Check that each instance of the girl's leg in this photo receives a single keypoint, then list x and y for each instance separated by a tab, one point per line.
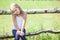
24	37
15	35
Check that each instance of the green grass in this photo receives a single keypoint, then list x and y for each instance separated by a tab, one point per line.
35	22
5	4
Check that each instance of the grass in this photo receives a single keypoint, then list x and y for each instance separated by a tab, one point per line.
5	4
35	22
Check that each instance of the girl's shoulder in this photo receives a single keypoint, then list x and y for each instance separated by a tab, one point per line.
24	14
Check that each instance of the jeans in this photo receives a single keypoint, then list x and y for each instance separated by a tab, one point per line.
17	37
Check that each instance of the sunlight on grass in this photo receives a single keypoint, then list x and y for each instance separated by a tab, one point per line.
34	23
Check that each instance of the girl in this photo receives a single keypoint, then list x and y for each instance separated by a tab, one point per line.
19	21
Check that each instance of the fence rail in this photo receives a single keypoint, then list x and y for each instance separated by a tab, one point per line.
32	33
33	11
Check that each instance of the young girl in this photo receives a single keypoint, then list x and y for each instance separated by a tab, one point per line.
19	21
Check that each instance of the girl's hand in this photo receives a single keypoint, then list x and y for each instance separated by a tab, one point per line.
21	33
16	11
18	32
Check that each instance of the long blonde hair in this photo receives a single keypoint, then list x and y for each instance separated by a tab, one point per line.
17	6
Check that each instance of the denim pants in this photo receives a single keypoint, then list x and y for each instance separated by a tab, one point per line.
17	37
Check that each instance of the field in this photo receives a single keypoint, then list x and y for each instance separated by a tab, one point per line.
35	22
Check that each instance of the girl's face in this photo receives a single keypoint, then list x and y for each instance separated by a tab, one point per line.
15	10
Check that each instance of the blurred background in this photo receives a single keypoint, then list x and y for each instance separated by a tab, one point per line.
35	22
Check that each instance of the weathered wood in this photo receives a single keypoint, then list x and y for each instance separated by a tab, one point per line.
33	11
32	33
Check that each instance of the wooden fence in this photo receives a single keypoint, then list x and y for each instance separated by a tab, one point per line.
34	11
32	33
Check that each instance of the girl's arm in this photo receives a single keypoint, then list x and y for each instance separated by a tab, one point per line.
14	22
24	22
